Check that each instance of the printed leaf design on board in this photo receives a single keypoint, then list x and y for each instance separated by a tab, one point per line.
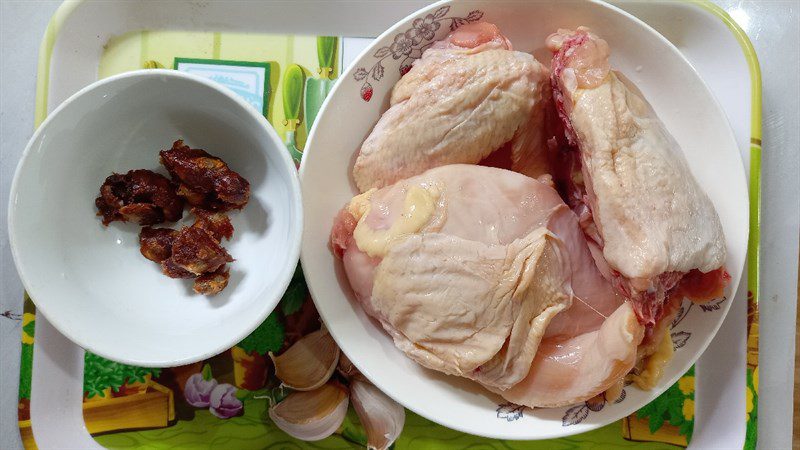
675	407
100	374
713	305
29	328
293	299
25	371
686	428
326	53
751	407
268	337
509	411
295	294
294	80
575	415
680	338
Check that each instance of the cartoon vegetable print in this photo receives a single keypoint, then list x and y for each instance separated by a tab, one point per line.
249	356
101	376
293	84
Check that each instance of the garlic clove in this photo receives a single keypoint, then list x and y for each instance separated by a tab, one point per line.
382	417
311	415
309	363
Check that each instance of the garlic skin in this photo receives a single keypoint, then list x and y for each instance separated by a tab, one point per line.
312	415
382	417
346	368
309	363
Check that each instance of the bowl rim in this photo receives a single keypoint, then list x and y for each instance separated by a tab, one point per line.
664	384
286	164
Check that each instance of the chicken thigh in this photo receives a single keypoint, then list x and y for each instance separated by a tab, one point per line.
473	271
467	96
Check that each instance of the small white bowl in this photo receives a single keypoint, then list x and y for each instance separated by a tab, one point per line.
668	81
90	281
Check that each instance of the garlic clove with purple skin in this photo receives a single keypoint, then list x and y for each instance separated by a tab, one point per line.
309	363
382	417
312	415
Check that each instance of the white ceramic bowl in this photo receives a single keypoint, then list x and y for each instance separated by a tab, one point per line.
90	281
668	81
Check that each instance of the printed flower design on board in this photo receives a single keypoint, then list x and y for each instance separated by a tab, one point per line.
674	407
409	45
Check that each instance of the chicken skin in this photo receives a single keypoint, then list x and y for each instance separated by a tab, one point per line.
642	207
472	270
467	96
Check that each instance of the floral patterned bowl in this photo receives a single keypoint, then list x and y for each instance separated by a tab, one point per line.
361	96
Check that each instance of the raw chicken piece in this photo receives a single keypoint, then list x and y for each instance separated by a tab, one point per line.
495	207
466	97
595	298
577	369
646	215
468	39
466	308
465	266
